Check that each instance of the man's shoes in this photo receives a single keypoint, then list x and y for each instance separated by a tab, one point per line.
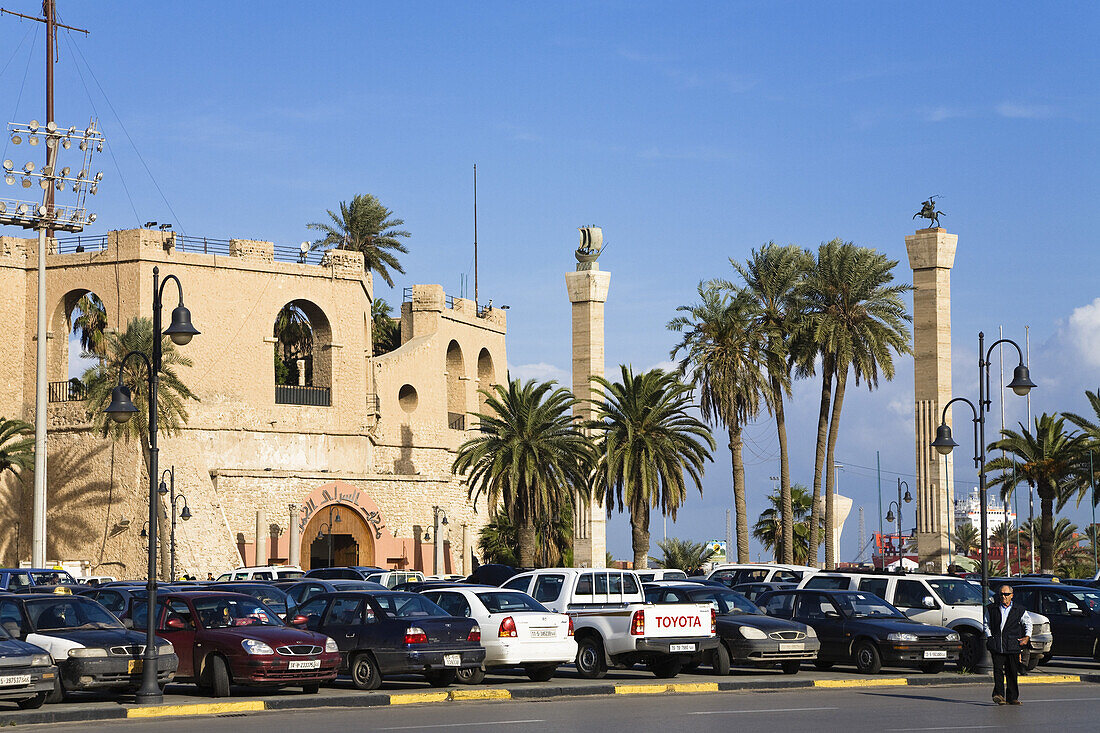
998	699
1014	702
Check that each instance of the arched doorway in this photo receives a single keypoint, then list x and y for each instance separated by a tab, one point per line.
349	538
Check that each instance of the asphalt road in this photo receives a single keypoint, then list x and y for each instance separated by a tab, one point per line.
1068	707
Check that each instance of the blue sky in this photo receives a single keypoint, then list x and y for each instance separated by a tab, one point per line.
690	133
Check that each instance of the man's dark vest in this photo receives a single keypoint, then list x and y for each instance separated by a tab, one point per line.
1007	641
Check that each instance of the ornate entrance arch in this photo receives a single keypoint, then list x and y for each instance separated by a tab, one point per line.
352	537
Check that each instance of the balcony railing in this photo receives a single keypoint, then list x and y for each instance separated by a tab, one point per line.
456	420
68	391
292	394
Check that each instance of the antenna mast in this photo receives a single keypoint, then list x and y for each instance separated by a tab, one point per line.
475	236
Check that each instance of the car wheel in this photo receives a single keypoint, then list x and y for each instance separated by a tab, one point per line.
33	703
666	668
541	673
971	652
217	676
868	660
441	678
932	667
1045	659
590	659
720	660
364	672
792	666
57	694
312	688
823	665
471	676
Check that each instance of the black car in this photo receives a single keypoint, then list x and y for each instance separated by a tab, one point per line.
349	572
304	590
753	591
492	574
748	636
420	586
392	632
1073	610
27	673
275	598
93	650
861	628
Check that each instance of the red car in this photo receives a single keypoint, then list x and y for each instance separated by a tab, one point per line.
230	638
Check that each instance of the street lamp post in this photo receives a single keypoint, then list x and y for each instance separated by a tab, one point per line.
326	529
439	520
1021	384
890	515
121	410
184	514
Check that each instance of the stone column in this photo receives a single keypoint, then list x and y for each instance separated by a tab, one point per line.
588	288
931	255
261	537
293	555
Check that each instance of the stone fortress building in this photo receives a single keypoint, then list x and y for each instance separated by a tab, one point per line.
363	452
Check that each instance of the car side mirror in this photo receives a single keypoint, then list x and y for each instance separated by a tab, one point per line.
300	621
832	614
929	602
1076	611
128	623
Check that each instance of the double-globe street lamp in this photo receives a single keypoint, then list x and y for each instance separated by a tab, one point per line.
1021	384
169	489
890	516
326	529
121	410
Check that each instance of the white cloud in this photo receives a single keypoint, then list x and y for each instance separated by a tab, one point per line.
941	113
1026	111
540	371
1084	331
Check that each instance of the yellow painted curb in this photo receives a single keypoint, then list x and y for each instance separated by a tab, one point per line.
1029	680
481	695
640	689
409	698
694	687
214	708
887	682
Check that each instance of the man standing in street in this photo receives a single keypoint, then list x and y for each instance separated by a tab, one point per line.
1008	630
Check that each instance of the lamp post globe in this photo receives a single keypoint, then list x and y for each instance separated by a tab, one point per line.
943	443
121	408
1021	382
180	330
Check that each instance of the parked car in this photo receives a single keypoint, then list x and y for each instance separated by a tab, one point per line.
263	572
347	572
859	627
275	598
752	591
119	598
391	578
748	636
93	650
94	580
17	579
652	574
491	574
1073	612
737	573
27	673
526	634
419	586
231	638
448	577
384	633
307	588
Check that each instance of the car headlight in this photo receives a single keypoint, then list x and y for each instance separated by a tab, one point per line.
166	648
41	660
80	652
330	645
750	633
255	646
953	636
810	631
903	637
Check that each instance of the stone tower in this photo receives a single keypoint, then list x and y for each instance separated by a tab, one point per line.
931	255
588	287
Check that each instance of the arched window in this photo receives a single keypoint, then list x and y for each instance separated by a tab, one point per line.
82	318
485	377
303	357
456	388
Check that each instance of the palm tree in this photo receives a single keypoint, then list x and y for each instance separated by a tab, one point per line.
723	357
294	336
768	528
16	446
966	539
683	555
649	441
91	324
385	330
1091	428
856	319
1050	458
498	540
366	226
528	459
1003	536
774	278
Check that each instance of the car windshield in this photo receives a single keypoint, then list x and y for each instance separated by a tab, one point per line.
504	602
408	605
274	599
865	605
72	612
957	592
727	601
221	613
52	577
1090	598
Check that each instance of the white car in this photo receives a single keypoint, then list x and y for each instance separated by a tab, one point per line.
648	576
736	573
517	630
263	572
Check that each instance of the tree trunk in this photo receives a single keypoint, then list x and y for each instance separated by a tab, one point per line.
819	457
527	542
786	511
830	463
639	536
1046	528
739	508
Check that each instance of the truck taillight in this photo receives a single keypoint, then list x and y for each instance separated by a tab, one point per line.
507	627
475	634
713	621
637	624
571	626
415	635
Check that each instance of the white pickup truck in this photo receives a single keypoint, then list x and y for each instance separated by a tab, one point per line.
613	624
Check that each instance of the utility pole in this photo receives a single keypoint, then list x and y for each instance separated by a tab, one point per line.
475	237
881	528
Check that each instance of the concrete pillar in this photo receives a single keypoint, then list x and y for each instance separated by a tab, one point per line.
294	554
588	288
261	537
301	364
931	256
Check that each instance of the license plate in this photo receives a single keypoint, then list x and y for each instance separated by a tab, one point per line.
681	647
15	679
543	633
935	654
304	664
133	665
452	660
791	646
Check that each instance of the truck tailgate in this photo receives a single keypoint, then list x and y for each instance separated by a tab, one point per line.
677	619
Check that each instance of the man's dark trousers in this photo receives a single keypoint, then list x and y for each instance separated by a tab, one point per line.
1006	669
1004	647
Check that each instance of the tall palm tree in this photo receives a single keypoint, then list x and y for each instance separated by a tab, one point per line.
683	555
649	442
16	446
1004	536
91	324
498	540
857	319
1050	458
774	279
366	226
768	529
723	358
385	330
528	458
966	538
1091	427
294	340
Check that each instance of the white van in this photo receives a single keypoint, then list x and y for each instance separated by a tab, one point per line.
736	573
263	572
652	574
